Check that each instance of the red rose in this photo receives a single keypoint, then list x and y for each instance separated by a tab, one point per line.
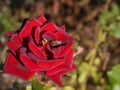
39	47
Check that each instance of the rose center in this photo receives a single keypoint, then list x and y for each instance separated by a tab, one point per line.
44	42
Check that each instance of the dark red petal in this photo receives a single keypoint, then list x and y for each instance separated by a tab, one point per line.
57	69
66	66
13	46
49	36
28	62
49	64
57	52
66	49
69	59
62	36
37	35
50	27
15	38
42	19
36	50
14	43
68	70
27	29
56	78
63	27
33	57
13	67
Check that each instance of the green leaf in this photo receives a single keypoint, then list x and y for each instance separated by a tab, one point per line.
37	86
114	77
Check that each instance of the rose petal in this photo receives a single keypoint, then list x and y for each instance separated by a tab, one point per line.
62	36
37	35
27	29
50	64
28	62
63	27
42	19
69	60
68	70
66	66
49	27
66	49
14	43
36	50
13	67
15	38
57	69
33	57
49	36
56	78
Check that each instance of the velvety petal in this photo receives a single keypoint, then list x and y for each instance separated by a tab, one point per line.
56	52
69	59
42	19
32	66
66	49
13	67
57	69
65	66
63	27
49	36
36	50
37	35
50	27
68	70
49	64
33	56
27	29
62	36
14	43
15	38
56	78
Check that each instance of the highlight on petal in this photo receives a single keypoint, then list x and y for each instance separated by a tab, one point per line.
36	50
57	69
32	66
50	27
42	19
69	59
62	36
37	35
27	28
68	70
13	67
49	64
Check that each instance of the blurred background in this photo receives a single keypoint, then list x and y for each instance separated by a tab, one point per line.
95	26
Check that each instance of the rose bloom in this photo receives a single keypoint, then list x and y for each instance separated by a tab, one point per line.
39	47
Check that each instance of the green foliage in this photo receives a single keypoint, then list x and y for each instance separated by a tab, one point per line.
6	23
37	86
110	20
114	77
